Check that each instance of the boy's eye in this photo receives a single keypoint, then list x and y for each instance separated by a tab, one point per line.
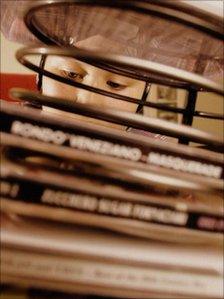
115	85
72	75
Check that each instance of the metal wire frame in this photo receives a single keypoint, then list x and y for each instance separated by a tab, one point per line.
139	108
193	81
40	76
179	12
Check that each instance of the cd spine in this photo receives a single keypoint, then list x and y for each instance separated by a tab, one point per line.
48	195
54	270
38	127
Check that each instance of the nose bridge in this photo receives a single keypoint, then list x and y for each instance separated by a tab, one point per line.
95	79
85	96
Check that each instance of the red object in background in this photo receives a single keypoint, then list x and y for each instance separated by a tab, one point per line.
9	81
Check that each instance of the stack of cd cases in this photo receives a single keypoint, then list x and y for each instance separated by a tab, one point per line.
92	210
95	215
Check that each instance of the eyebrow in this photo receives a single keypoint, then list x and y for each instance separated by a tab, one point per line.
60	60
74	64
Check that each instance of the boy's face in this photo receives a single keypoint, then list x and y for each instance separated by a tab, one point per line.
92	76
